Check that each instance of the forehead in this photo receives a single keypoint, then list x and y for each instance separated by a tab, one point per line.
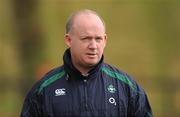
88	23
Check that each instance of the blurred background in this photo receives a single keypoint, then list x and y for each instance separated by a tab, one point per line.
143	40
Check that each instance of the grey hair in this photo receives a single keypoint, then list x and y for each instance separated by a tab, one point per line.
70	20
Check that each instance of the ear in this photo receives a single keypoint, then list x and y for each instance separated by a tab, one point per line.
67	40
105	40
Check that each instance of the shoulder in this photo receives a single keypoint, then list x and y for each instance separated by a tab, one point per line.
48	79
122	77
51	77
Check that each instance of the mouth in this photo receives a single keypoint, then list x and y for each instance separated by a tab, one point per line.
91	55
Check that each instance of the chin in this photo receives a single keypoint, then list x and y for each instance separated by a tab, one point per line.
92	63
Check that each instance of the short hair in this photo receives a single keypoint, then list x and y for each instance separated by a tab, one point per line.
70	20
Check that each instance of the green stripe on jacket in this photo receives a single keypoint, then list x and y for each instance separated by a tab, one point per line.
51	80
118	76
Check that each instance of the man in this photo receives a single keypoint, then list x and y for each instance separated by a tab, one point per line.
85	86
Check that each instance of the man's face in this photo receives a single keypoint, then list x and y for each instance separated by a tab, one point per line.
86	40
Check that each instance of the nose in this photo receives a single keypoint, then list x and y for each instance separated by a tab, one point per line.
92	44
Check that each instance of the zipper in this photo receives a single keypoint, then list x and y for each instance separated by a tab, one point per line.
85	94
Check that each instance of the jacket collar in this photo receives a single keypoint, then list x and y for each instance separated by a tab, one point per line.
74	73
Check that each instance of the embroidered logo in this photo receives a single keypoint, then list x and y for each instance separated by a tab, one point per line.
111	89
59	92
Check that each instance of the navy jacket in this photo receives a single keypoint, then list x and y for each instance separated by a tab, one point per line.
104	92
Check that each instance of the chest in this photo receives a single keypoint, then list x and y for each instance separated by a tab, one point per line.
86	98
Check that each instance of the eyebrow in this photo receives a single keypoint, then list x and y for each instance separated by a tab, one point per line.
97	36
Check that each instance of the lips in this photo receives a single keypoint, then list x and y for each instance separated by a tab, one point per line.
91	54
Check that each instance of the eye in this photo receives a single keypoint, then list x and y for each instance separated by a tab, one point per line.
98	39
86	38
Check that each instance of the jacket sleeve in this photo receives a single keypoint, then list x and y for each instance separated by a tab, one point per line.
32	105
139	105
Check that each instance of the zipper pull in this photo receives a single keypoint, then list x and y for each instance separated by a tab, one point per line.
85	80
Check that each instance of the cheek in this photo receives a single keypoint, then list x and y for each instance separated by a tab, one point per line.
101	48
77	44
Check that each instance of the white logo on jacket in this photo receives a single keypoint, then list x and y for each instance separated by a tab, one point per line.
112	101
59	92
